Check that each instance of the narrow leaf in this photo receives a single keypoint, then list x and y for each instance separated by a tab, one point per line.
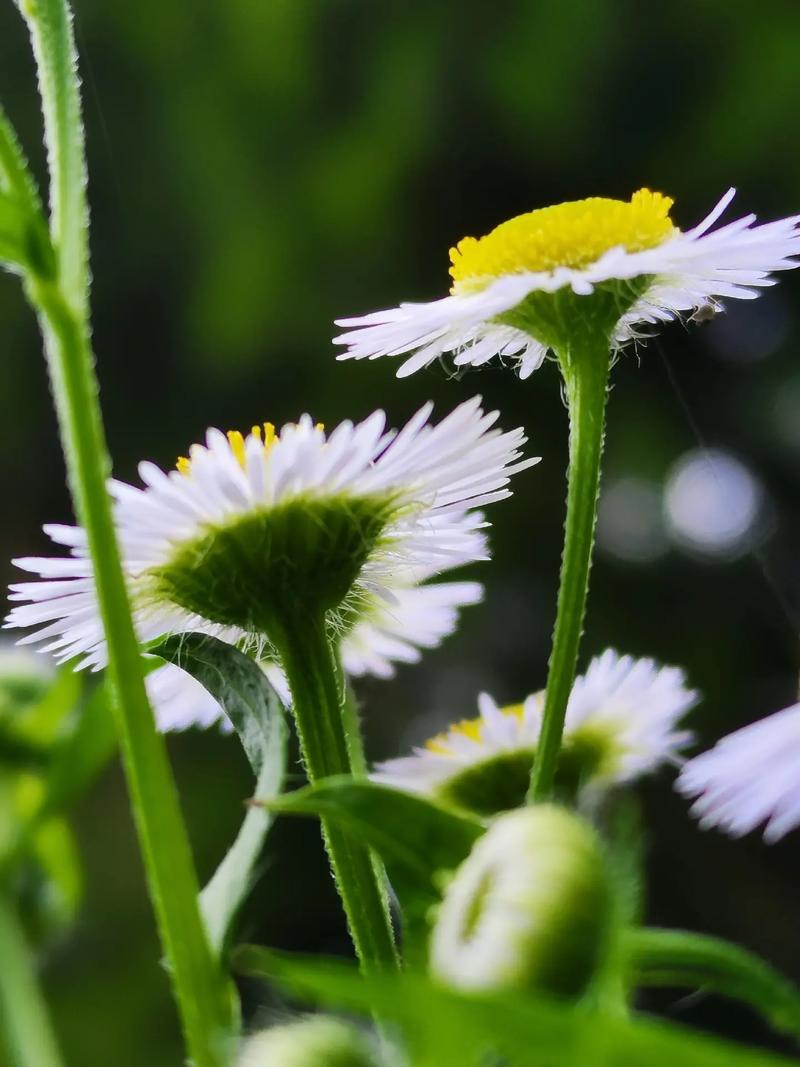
677	958
526	1031
256	713
24	242
417	840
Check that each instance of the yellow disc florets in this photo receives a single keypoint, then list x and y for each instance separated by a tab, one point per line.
265	433
573	235
472	729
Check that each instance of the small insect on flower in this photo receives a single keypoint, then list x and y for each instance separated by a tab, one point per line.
749	778
622	722
619	266
252	534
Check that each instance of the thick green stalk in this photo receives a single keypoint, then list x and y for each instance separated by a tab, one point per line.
318	700
50	26
62	306
27	1035
678	958
585	367
197	980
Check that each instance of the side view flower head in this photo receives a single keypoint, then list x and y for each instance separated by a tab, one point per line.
251	530
622	722
628	253
749	778
417	617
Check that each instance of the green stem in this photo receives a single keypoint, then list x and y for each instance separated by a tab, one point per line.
678	958
585	367
196	977
318	706
27	1033
50	27
62	306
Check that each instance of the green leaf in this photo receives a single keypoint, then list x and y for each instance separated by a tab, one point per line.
256	712
36	710
82	754
441	1026
416	839
58	882
678	958
24	241
15	173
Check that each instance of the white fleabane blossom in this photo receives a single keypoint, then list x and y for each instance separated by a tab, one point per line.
418	617
249	531
750	778
630	250
622	722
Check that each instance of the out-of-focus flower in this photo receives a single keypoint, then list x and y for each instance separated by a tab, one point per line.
317	1041
749	778
622	722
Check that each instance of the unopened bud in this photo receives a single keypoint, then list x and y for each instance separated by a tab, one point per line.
528	908
317	1041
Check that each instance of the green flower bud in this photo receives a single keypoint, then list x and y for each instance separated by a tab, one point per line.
529	908
317	1041
25	678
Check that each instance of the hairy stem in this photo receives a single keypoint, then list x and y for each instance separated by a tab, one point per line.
678	958
28	1037
62	304
585	367
318	704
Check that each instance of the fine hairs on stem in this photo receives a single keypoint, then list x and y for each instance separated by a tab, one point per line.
61	301
319	705
585	372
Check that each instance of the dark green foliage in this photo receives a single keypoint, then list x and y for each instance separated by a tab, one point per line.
255	711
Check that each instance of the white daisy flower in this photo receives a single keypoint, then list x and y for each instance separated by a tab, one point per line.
418	617
251	530
622	722
629	251
749	778
180	701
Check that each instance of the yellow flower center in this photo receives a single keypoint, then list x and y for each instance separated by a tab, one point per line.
236	439
574	235
469	728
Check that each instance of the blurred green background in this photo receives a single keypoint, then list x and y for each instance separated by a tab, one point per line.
258	169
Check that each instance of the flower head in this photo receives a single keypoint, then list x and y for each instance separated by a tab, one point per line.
622	722
24	680
315	1041
518	291
390	631
528	908
749	778
250	531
